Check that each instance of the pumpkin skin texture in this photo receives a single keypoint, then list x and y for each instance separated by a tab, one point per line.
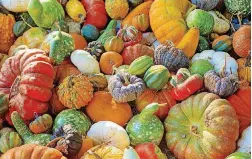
90	32
111	134
242	40
239	7
244	69
130	35
103	107
206	4
109	60
75	91
149	150
151	96
56	105
41	124
76	10
117	9
114	44
64	70
239	155
240	101
202	126
79	41
222	43
141	22
4	103
33	151
9	140
201	67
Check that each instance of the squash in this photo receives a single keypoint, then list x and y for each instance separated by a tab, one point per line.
221	23
238	7
114	44
200	67
56	105
15	6
9	140
76	10
242	40
244	144
79	41
64	70
96	49
151	96
111	134
222	43
4	103
98	81
244	68
109	60
45	13
237	155
141	22
140	65
240	101
90	32
5	130
203	44
108	32
117	9
103	107
149	150
74	27
87	144
130	153
85	62
75	91
41	124
205	4
60	26
193	128
130	35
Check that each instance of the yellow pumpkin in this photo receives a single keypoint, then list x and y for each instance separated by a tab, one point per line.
117	9
141	22
114	44
76	10
244	69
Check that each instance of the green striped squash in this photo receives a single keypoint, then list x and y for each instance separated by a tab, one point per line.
4	103
222	43
10	140
140	65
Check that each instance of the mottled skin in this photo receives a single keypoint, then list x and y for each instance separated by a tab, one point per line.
238	7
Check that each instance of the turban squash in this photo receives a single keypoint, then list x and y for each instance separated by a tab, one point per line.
28	77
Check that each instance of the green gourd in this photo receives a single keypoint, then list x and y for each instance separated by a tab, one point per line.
146	127
26	134
109	32
203	44
140	65
45	12
61	25
200	67
4	103
10	140
238	7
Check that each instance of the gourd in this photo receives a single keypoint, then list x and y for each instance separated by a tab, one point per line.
141	22
111	134
15	6
239	7
108	32
64	70
59	45
152	96
90	32
96	49
140	65
98	81
200	67
28	75
79	41
130	35
76	10
45	13
26	134
146	127
56	105
205	4
239	155
222	43
4	103
221	24
41	124
130	152
60	25
125	87
109	60
244	68
75	91
130	53
87	144
33	151
114	44
9	140
85	62
156	77
240	101
74	27
244	144
197	119
103	107
149	150
5	130
117	9
203	44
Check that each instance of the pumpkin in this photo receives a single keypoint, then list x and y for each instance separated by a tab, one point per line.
3	58
59	45
76	10
141	22
130	53
60	26
244	68
222	86
221	23
238	7
114	44
7	37
203	44
45	13
9	140
90	32
41	124
200	67
26	134
140	65
240	101
15	6
146	127
244	144
149	150
117	9
111	134
33	151
169	56
222	43
56	105
74	27
104	152
193	128
237	155
125	87
143	8
4	103
75	91
109	60
87	144
79	41
151	96
64	70
85	62
206	4
130	35
96	49
242	40
95	8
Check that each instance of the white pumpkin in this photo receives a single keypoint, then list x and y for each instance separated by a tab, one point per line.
220	60
85	62
130	153
110	133
244	143
15	5
221	24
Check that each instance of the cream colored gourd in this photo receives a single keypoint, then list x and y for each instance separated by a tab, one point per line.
110	133
85	62
15	5
130	153
244	143
221	24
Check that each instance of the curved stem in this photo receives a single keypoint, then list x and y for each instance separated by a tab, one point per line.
25	21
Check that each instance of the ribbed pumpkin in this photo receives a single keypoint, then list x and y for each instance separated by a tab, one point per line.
244	68
130	35
75	91
117	9
76	10
240	101
242	41
114	44
103	107
41	124
10	140
104	152
7	37
4	103
222	43
141	22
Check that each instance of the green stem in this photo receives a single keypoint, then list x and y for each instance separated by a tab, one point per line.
151	109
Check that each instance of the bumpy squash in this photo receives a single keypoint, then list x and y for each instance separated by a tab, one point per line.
117	9
76	10
194	129
238	7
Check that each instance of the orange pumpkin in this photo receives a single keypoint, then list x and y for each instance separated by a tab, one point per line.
151	96
79	41
64	70
240	101
141	22
242	41
109	60
87	143
56	105
104	108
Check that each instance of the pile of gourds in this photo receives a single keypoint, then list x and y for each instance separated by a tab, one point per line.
85	79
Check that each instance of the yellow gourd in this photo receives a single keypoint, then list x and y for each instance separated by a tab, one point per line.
117	9
76	10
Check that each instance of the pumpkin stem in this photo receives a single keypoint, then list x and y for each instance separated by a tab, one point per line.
126	81
82	18
25	21
223	69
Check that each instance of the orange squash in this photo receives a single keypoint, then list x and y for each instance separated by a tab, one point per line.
79	41
242	41
109	60
104	108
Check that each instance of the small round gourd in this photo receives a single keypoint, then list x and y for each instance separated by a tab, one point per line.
114	44
41	124
90	32
10	140
117	9
222	43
